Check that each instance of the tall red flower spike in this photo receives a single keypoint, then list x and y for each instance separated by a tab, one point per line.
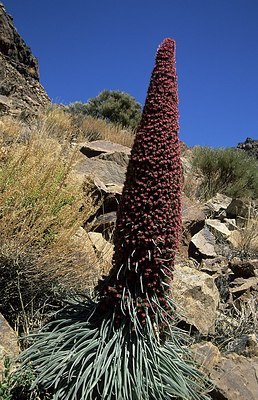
149	216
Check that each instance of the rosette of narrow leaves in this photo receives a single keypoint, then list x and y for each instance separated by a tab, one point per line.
81	356
124	344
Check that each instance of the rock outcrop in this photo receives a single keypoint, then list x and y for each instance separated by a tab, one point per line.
21	94
250	146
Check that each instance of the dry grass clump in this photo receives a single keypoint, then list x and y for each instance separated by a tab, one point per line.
41	209
10	130
62	125
98	129
245	239
249	235
233	323
58	124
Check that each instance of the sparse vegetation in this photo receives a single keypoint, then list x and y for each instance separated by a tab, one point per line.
16	385
225	170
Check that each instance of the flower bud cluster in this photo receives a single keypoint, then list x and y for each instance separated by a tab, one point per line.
149	216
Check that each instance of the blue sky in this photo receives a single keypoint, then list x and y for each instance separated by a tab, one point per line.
85	46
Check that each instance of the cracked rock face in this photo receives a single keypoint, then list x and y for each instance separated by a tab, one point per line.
21	94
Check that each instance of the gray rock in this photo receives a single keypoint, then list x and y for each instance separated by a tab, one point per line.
104	249
244	269
230	223
217	205
203	244
119	158
214	266
193	218
197	296
104	222
98	147
219	230
14	48
8	343
238	208
250	146
107	172
242	285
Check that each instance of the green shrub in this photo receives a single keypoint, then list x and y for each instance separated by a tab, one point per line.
225	170
112	106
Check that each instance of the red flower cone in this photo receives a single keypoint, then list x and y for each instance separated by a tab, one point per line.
149	216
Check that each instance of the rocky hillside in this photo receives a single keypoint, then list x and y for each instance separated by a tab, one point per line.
21	94
216	275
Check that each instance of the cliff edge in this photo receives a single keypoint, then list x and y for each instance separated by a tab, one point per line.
21	94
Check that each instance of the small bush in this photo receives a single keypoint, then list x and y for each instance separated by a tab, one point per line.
15	385
112	106
226	171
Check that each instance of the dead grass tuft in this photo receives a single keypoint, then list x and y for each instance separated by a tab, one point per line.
234	322
245	239
10	129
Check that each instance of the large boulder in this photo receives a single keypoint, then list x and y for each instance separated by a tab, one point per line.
21	94
107	172
106	150
197	297
235	378
8	343
218	228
